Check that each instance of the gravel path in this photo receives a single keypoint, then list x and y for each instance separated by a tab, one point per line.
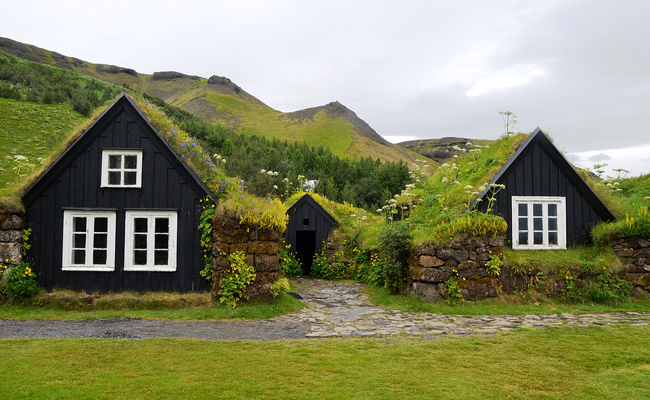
336	309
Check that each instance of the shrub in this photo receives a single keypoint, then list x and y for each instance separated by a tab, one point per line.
608	289
320	268
395	249
452	288
289	266
236	280
637	225
280	286
205	229
21	282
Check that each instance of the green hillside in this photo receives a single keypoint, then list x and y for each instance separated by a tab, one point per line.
219	100
443	149
24	143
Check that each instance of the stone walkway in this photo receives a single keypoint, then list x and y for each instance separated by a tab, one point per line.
342	309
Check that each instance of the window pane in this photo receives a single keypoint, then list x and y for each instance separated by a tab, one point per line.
552	238
523	224
140	257
160	257
140	224
523	238
537	224
101	241
101	224
114	162
162	225
140	242
537	210
99	257
552	224
79	241
130	162
523	210
162	241
114	178
129	178
79	257
538	238
552	210
79	224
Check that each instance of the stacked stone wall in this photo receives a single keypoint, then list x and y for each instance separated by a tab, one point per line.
433	265
634	253
11	238
261	249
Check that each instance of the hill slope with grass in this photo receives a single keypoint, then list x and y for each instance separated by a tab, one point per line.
443	149
219	100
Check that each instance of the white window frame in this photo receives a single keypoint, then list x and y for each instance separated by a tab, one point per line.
561	222
129	242
68	237
122	169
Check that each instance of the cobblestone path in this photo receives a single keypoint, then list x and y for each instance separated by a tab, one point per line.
342	309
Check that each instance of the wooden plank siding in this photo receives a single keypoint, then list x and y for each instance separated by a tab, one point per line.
73	182
320	221
538	169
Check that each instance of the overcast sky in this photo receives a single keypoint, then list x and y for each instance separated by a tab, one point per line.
412	69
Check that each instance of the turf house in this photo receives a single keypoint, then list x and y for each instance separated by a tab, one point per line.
118	210
308	228
546	204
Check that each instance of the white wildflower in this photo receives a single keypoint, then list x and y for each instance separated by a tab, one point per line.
20	158
263	171
445	179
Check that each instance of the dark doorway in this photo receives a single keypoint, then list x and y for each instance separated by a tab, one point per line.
306	249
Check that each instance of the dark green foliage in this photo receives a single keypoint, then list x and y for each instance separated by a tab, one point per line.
608	289
395	249
25	80
364	182
21	282
320	268
288	265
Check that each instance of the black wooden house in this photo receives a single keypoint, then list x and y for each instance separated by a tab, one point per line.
117	211
545	201
308	228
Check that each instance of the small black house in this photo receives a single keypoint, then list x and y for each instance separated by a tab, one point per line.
546	203
117	211
308	228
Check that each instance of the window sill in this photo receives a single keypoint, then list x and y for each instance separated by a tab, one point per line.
87	268
159	268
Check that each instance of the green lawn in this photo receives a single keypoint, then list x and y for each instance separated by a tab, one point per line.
154	309
508	305
555	363
22	135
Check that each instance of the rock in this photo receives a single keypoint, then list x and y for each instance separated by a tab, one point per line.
229	236
168	75
266	263
263	247
9	253
11	222
451	263
473	255
11	236
477	289
235	247
220	249
268	235
637	279
433	275
471	270
112	69
425	250
460	255
426	292
444	253
219	263
642	242
639	291
431	261
223	81
632	269
496	242
625	252
641	261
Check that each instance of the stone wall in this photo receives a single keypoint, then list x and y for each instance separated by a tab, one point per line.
634	253
260	247
432	266
11	238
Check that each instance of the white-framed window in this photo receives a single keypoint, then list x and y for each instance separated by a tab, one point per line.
88	240
122	168
538	223
150	242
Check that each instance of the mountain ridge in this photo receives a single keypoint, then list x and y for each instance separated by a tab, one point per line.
219	100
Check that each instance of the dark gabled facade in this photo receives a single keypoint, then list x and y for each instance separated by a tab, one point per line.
308	228
545	202
117	211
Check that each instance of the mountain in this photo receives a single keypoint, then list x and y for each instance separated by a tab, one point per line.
219	100
442	150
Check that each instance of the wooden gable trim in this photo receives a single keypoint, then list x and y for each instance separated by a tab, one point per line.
306	198
122	104
538	137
